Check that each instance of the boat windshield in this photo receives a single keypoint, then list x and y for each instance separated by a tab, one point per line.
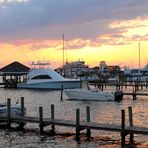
42	77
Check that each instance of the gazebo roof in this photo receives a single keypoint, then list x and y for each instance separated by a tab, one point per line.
15	68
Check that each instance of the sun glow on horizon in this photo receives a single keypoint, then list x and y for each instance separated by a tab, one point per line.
114	48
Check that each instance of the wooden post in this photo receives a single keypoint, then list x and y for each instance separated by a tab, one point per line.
9	113
116	86
141	85
52	117
77	124
136	86
102	87
123	128
134	96
21	125
41	120
88	120
131	123
134	93
22	106
62	92
146	82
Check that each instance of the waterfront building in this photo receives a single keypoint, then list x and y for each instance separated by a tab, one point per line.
107	70
74	69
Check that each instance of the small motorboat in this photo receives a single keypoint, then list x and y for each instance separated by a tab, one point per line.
15	109
83	94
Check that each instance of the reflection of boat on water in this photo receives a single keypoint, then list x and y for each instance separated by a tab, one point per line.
45	78
15	109
83	94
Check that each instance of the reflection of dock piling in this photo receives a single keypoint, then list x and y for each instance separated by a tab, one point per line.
79	125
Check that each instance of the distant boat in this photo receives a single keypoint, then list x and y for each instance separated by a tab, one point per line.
45	78
90	95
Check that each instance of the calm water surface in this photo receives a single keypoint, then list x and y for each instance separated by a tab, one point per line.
102	112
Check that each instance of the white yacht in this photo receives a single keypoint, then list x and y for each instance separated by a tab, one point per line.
45	78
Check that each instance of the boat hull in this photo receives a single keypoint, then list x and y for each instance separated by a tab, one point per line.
56	85
15	110
80	94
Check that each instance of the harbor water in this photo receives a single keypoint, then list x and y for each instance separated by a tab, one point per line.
101	112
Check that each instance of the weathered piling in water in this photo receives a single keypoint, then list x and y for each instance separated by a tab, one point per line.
21	125
123	134
41	120
62	88
134	93
130	112
9	113
52	117
88	133
77	124
117	85
134	96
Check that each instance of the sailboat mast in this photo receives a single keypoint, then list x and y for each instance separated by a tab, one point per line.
63	49
139	57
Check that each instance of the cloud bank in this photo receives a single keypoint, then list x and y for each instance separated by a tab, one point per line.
84	22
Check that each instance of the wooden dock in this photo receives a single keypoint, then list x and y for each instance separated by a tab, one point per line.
136	86
135	94
120	84
79	125
72	123
8	84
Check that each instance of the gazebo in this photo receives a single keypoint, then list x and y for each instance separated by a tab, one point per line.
14	71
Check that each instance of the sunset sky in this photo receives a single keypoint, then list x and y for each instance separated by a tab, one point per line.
95	30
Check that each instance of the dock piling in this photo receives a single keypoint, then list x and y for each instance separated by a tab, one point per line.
131	123
88	133
21	125
77	124
123	128
52	117
62	92
41	120
9	113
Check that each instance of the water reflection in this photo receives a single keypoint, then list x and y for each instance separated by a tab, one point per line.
102	112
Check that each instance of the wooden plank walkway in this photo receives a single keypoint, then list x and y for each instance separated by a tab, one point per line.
72	123
132	85
136	93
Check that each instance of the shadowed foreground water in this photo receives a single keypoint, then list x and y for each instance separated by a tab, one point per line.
102	112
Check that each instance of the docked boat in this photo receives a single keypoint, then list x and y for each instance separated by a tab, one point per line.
46	78
15	109
89	95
